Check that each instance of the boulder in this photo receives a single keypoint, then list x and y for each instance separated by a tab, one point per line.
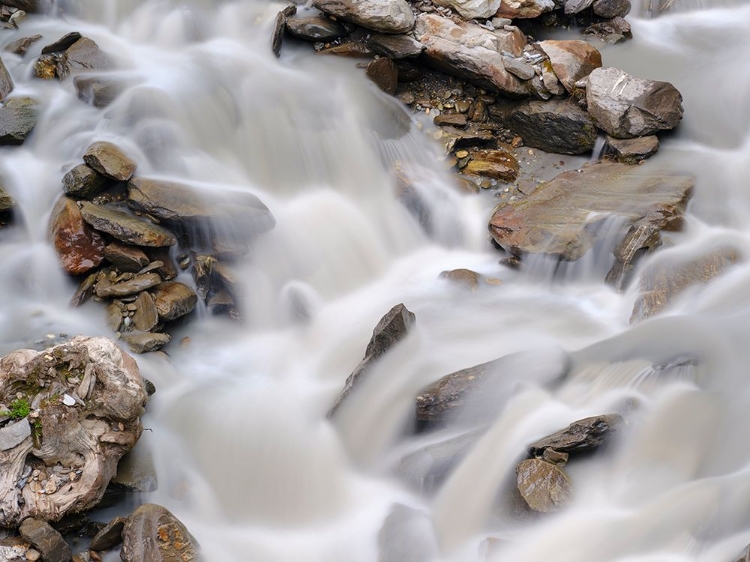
109	536
395	46
314	28
611	8
50	544
496	164
558	125
79	248
6	82
383	72
625	106
571	60
109	160
392	328
543	486
20	46
665	280
17	119
84	399
126	228
173	300
125	258
576	6
153	534
146	315
472	9
522	9
105	288
83	182
85	54
394	16
630	151
471	52
144	342
561	217
582	436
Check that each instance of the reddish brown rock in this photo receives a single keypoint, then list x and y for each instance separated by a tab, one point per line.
496	164
571	60
78	246
384	73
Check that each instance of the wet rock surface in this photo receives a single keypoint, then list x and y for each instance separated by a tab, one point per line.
581	436
6	82
543	486
83	182
630	151
126	228
18	118
109	160
386	17
79	247
46	540
173	300
571	60
109	537
314	28
152	533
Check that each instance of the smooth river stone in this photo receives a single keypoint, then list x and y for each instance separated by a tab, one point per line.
109	160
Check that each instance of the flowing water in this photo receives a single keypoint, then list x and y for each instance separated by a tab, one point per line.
243	452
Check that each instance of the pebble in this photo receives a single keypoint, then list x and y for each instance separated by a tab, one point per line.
68	400
33	555
462	154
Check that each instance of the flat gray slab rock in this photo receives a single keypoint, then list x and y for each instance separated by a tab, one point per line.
393	16
109	160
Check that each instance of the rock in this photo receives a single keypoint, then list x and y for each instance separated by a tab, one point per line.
221	302
555	457
518	67
173	300
353	49
384	73
62	44
558	126
153	534
630	151
571	60
46	540
85	54
394	16
125	227
464	278
497	164
577	6
611	8
131	287
664	281
83	182
109	537
136	471
28	5
20	46
125	258
107	159
7	203
544	486
13	434
6	82
395	46
560	217
79	248
392	328
279	27
146	315
521	9
582	436
407	535
472	9
615	30
114	316
625	106
144	342
470	52
451	120
17	119
99	91
110	388
314	28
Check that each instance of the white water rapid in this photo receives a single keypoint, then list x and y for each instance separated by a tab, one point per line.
243	452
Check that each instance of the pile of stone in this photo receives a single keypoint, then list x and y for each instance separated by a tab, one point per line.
118	229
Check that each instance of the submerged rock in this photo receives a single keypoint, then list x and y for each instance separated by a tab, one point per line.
279	26
62	44
6	82
392	328
109	160
407	535
126	228
394	16
20	46
79	247
383	72
581	436
85	54
544	486
144	342
153	534
99	91
18	118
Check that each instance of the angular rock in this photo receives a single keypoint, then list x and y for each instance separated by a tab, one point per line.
571	60
20	46
577	6
395	46
581	436
136	471
173	300
472	9
85	54
615	30
544	486
79	248
83	182
518	67
6	82
86	439
144	342
109	537
114	316
131	287
384	73
17	119
392	328
630	151
125	258
558	126
562	216
62	44
394	16
451	120
523	9
107	159
99	91
146	315
279	26
666	280
471	52
497	164
13	434
625	106
314	28
126	228
7	203
46	540
611	8
153	534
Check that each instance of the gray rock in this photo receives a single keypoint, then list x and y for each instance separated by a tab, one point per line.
146	314
314	28
394	16
577	6
544	486
109	536
153	534
279	26
83	182
630	151
521	9
625	106
17	119
384	74
124	288
109	160
136	471
125	258
144	342
126	228
14	434
407	535
392	328
611	8
472	9
571	60
99	91
519	67
7	203
581	436
615	30
558	126
395	46
62	44
20	46
173	300
46	540
6	82
85	54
